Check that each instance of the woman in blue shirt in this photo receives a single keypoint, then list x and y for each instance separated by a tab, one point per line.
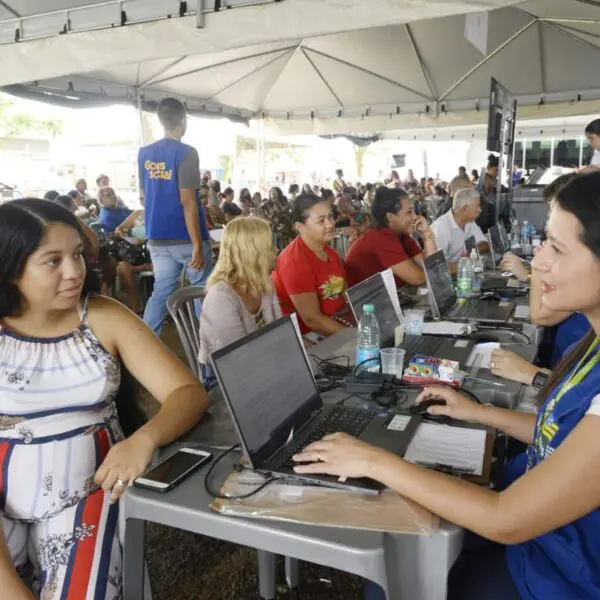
544	528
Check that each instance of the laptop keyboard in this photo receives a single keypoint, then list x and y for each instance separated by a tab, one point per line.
421	345
340	419
464	310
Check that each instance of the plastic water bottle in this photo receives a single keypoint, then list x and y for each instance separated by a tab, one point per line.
526	238
536	240
515	235
464	278
477	272
368	342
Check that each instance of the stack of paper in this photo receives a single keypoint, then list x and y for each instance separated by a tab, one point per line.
458	449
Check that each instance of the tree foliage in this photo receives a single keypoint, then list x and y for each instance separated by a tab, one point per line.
14	123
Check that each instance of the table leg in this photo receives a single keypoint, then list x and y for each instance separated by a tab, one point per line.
417	566
266	575
133	560
292	571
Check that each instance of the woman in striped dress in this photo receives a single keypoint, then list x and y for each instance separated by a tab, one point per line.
64	461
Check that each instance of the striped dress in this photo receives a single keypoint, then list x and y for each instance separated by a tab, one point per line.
58	420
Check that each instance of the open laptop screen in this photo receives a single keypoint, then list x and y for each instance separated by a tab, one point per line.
440	281
373	291
497	241
268	386
470	244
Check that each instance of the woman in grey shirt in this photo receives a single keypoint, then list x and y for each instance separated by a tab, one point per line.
240	297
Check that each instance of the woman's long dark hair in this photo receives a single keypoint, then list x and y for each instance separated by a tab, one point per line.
22	228
581	198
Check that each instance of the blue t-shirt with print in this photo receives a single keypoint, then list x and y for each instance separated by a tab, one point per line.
159	167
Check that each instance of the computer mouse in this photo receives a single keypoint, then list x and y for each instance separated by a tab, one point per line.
421	408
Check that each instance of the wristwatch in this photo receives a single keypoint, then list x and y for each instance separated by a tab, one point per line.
540	379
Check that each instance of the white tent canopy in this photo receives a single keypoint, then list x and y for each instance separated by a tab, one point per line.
324	66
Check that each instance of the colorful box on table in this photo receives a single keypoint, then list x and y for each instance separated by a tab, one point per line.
429	369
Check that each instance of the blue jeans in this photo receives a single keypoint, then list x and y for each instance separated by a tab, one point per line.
169	263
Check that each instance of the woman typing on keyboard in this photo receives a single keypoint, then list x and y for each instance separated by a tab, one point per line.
540	537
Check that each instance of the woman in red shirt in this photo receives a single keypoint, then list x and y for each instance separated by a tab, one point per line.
309	277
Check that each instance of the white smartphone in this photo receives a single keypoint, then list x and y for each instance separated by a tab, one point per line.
172	470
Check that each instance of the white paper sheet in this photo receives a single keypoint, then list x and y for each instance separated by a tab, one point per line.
390	286
522	312
481	356
450	448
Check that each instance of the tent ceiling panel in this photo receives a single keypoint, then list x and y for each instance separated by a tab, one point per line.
386	51
524	51
196	63
301	86
561	9
365	84
574	58
300	59
250	93
224	79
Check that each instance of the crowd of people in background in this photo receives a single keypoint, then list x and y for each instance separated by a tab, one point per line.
274	256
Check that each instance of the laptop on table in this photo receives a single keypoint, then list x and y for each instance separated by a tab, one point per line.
498	244
471	244
270	391
446	305
373	291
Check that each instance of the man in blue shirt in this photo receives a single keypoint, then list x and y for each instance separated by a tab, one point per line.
111	216
176	229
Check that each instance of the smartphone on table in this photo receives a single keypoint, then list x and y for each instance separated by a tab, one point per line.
172	470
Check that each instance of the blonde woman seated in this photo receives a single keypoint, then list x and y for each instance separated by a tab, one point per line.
240	296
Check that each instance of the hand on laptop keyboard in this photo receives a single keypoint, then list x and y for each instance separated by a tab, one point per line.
342	456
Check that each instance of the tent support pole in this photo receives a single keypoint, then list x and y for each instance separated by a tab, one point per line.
140	117
200	8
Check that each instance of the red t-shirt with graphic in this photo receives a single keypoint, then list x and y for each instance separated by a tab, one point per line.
377	250
300	271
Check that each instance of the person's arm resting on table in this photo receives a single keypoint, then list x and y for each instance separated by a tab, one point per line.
308	307
182	397
409	267
299	283
559	490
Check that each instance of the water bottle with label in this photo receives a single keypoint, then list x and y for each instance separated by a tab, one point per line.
526	239
515	234
464	277
477	272
368	342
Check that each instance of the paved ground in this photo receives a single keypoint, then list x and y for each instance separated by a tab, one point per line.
185	566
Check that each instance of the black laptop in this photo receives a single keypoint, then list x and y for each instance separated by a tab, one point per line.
498	244
276	408
373	291
471	244
446	305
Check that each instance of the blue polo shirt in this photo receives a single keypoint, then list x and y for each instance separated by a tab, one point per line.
563	564
165	167
568	333
111	218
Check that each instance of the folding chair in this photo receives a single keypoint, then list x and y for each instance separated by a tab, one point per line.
184	306
181	305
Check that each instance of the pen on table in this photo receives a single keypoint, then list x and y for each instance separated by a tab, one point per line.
483	381
447	468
